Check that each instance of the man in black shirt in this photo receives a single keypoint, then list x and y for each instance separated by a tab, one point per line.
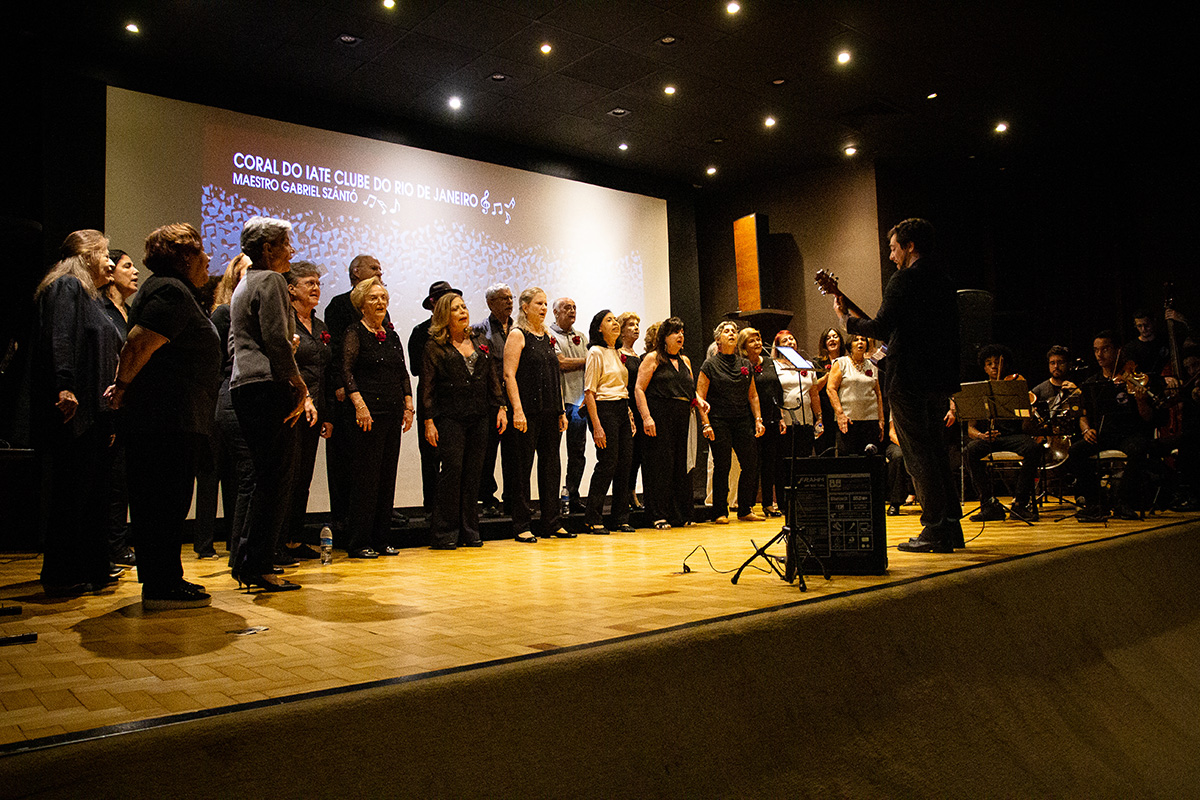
919	320
495	330
430	463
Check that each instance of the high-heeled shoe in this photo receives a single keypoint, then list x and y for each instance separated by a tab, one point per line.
263	583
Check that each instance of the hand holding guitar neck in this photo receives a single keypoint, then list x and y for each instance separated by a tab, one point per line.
827	282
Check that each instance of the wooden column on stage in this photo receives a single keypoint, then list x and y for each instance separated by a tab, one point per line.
749	232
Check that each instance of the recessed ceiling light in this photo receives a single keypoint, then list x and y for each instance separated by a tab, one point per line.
619	112
769	122
844	57
455	102
389	4
668	90
668	40
133	28
1001	127
622	146
850	150
499	76
711	170
717	140
733	8
350	40
931	95
546	48
779	82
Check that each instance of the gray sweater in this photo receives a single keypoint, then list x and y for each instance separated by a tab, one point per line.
260	330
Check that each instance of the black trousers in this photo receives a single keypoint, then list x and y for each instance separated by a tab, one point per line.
668	494
274	446
734	436
237	476
897	475
1083	463
501	444
1024	446
306	461
76	536
577	425
920	422
612	464
461	445
162	466
770	447
429	468
375	455
858	435
118	507
639	450
339	467
541	438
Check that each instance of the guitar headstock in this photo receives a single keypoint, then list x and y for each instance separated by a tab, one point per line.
827	282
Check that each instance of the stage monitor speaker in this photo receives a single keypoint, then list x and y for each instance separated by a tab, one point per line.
837	505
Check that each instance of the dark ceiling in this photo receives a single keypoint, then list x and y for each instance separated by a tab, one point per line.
1063	76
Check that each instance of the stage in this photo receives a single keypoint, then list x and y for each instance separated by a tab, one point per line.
360	629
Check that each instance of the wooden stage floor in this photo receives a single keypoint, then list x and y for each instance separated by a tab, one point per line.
99	661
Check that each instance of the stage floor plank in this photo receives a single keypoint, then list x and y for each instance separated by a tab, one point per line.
99	661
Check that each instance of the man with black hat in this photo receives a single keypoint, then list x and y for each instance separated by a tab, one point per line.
416	355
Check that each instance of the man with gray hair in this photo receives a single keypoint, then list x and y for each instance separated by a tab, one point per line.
495	330
572	354
340	314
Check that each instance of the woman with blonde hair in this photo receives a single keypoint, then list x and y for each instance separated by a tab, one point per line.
74	358
461	398
853	390
532	379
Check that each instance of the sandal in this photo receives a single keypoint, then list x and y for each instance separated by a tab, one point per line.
662	525
597	530
751	517
526	537
722	520
562	534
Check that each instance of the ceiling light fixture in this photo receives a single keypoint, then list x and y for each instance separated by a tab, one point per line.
733	8
350	40
668	90
546	48
711	171
931	95
389	4
844	57
1001	127
622	146
769	122
619	112
717	140
850	150
133	28
499	76
455	102
668	40
779	82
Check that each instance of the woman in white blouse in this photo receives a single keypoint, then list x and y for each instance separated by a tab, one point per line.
853	391
606	396
801	408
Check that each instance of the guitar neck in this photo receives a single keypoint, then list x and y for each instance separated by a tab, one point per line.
852	307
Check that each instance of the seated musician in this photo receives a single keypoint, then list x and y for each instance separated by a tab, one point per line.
1052	397
1004	434
1120	421
1187	459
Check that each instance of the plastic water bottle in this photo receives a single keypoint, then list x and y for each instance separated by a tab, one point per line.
326	545
564	503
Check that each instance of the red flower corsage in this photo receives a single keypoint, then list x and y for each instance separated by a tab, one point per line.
484	348
745	370
758	369
390	326
870	373
622	355
575	339
381	335
803	373
325	337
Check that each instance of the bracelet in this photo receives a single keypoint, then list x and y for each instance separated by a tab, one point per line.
706	426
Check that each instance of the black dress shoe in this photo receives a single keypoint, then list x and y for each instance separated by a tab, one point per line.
184	595
443	547
920	544
388	551
126	558
366	552
1125	512
627	528
476	543
1091	514
276	569
991	511
1026	512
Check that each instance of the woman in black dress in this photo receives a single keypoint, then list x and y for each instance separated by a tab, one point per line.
631	325
379	388
74	358
665	393
770	400
532	378
312	358
732	424
167	384
461	398
830	347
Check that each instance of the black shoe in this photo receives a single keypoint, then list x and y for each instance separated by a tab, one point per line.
893	510
206	555
388	550
476	543
126	558
525	537
596	530
115	572
267	586
67	589
1091	514
185	595
490	512
563	534
276	569
284	560
626	528
302	551
921	544
1125	512
1026	512
366	552
990	511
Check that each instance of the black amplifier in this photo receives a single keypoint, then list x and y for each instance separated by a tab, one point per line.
837	506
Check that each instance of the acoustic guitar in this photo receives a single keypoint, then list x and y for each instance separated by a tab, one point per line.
827	282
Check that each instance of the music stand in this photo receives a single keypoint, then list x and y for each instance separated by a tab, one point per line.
993	400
